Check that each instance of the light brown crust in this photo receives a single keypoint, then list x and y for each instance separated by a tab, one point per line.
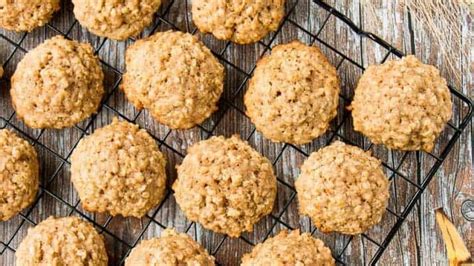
26	15
241	21
114	19
225	185
342	189
174	76
293	94
170	249
289	248
62	241
57	84
402	104
19	174
120	170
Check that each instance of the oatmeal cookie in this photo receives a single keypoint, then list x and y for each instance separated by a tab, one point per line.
19	174
402	104
26	15
62	241
114	19
57	84
171	249
342	189
120	170
175	77
290	248
241	21
293	94
225	185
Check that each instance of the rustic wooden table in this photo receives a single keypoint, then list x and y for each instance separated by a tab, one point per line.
418	242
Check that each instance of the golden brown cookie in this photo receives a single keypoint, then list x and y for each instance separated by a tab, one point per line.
170	249
62	241
241	21
114	19
175	77
26	15
225	185
120	170
57	84
402	104
293	94
19	174
342	189
290	248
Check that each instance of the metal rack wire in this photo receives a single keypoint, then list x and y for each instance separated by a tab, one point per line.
230	103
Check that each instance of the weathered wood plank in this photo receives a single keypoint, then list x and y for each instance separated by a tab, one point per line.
452	185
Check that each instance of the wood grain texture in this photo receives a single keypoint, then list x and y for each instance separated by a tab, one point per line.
417	243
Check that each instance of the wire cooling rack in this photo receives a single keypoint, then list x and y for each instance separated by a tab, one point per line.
57	197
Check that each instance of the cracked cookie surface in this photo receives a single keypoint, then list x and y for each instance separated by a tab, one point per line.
293	94
174	76
115	19
342	189
57	84
19	174
62	241
241	21
119	170
225	185
402	104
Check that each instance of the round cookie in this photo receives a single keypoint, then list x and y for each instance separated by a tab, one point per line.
289	248
402	104
293	94
120	170
241	21
26	15
19	174
171	249
175	77
62	241
225	185
114	19
342	189
57	84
